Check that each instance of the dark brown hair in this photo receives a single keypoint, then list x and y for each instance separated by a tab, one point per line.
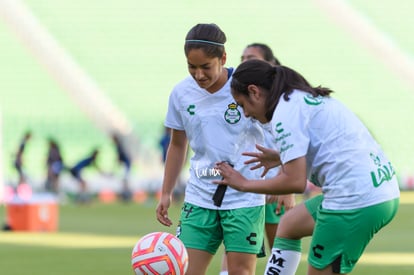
199	37
274	80
266	51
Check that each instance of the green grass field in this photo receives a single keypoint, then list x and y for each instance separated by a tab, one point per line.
98	239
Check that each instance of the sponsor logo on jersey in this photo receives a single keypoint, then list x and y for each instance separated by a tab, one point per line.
282	137
384	172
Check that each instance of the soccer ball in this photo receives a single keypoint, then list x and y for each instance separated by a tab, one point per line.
159	253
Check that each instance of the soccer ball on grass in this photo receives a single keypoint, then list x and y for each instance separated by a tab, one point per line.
159	253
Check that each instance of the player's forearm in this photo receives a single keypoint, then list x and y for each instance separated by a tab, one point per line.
291	178
173	165
277	185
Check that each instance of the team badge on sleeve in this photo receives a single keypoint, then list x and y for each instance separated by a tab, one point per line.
311	100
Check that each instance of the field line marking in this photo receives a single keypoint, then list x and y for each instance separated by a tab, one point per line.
407	197
75	240
360	28
67	240
381	258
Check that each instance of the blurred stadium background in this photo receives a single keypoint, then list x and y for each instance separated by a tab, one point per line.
133	52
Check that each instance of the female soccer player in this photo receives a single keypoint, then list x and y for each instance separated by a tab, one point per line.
275	205
315	136
202	111
259	51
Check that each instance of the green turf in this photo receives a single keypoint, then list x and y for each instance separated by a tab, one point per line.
134	220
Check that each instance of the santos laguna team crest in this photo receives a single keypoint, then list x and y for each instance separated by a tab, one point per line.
232	114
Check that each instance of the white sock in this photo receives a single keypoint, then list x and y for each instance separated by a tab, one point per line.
282	262
224	272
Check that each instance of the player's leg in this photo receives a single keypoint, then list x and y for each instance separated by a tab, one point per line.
243	236
200	231
126	193
241	263
340	236
83	196
224	268
272	220
198	261
300	220
22	176
295	224
325	271
270	229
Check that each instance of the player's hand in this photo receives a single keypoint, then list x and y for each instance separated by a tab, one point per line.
162	210
288	201
230	176
271	198
266	158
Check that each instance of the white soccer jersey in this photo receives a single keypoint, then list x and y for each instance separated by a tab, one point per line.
341	155
217	131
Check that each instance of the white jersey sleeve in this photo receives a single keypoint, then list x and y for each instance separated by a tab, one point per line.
341	155
173	119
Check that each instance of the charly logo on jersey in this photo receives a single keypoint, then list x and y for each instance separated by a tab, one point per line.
384	172
278	127
311	100
232	114
190	109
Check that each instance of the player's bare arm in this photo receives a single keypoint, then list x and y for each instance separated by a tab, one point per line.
177	151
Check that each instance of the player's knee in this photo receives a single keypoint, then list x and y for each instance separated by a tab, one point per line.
242	265
289	226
